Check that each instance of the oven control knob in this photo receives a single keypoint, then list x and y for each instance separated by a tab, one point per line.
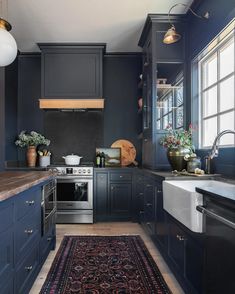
88	171
79	171
84	171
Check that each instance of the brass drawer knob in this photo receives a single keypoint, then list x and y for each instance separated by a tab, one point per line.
180	238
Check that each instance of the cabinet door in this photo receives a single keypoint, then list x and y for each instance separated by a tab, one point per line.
101	196
138	201
176	245
149	206
194	263
6	256
120	200
161	229
72	74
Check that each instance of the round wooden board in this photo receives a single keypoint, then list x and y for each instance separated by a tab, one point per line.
128	151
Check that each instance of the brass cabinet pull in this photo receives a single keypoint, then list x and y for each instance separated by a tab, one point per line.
30	202
141	212
29	232
180	238
140	194
149	204
49	239
28	268
120	176
146	63
159	191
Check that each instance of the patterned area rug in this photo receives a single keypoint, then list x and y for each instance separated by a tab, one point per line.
104	264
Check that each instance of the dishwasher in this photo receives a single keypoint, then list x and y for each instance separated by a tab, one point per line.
219	227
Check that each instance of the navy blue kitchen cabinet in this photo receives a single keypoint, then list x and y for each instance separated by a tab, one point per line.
161	64
21	240
72	70
113	194
120	200
182	249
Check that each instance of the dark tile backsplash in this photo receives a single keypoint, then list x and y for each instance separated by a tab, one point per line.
74	132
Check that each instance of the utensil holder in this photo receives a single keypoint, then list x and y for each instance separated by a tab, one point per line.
44	160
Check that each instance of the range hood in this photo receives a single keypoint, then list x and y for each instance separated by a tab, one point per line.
68	104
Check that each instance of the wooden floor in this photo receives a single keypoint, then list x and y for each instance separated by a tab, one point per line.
107	229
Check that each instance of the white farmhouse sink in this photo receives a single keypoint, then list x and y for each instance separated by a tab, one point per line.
180	200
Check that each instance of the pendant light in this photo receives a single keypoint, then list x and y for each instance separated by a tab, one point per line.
8	46
172	35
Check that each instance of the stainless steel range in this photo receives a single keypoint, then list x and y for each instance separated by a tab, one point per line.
74	193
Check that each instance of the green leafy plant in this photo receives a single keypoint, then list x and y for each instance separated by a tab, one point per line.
178	138
31	139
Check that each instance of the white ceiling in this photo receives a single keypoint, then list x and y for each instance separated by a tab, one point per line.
117	23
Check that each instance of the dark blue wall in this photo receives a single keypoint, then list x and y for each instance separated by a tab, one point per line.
201	33
121	72
11	95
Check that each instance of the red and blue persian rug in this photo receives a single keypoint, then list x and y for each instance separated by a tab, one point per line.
104	264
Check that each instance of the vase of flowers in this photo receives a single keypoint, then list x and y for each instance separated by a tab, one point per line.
178	144
31	141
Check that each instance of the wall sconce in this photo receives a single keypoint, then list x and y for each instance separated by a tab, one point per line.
8	46
172	35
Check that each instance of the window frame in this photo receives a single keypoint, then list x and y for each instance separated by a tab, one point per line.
221	41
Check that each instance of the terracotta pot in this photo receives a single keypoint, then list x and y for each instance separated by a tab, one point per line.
31	156
176	158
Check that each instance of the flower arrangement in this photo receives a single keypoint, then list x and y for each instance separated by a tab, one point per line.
178	138
31	139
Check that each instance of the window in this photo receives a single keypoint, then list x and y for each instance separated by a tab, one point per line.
216	91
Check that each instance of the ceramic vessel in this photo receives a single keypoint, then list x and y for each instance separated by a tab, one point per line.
176	158
31	156
72	159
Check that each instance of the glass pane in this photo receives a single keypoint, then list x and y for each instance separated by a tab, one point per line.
165	121
165	106
170	118
209	131
227	122
170	102
179	117
210	71
179	95
227	60
227	94
158	124
210	102
158	112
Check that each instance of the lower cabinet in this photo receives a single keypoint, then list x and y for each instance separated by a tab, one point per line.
182	249
120	200
113	194
23	249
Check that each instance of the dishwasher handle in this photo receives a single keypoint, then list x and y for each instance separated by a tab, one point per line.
211	214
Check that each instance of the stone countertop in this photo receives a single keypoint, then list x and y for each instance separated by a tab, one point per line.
226	193
14	182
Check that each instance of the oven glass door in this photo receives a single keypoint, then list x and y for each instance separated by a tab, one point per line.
74	193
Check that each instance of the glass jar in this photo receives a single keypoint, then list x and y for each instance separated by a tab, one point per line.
193	163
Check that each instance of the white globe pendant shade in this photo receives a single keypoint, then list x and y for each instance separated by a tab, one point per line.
8	47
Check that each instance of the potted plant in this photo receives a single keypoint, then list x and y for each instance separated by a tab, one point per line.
178	144
31	141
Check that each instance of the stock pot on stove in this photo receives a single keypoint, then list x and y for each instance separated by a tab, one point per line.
72	159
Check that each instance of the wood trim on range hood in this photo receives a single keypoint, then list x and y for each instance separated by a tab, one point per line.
71	103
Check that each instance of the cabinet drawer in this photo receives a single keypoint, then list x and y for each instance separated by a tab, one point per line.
28	201
6	256
120	177
26	271
8	286
6	212
27	233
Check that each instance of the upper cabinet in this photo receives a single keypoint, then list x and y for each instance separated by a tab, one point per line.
72	71
164	81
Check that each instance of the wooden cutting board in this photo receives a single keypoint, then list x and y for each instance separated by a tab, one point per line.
128	151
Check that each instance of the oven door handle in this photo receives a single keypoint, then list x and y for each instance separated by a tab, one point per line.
211	214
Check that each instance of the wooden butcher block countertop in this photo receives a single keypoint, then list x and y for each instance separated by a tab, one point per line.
14	182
